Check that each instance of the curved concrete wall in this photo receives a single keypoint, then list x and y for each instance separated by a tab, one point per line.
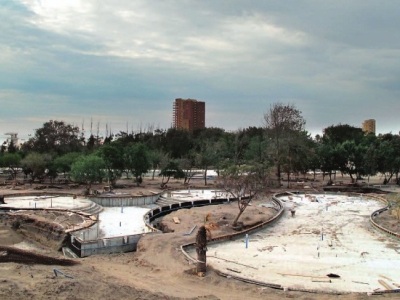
379	211
166	209
240	234
129	243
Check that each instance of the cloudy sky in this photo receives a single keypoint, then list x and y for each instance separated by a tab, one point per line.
123	62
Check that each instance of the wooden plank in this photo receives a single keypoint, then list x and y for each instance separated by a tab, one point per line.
234	262
300	275
384	277
233	270
385	285
321	280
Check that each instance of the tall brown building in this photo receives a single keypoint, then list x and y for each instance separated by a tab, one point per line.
189	114
369	126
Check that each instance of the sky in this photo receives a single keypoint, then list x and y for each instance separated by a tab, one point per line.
119	64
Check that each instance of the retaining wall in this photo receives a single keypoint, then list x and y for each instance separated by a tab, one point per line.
240	234
37	193
128	200
379	211
88	244
104	246
166	209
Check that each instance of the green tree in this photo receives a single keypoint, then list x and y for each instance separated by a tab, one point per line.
343	149
136	160
157	140
244	183
256	150
353	154
299	151
113	156
170	169
36	164
340	133
328	157
64	162
235	145
55	136
207	156
12	148
282	122
88	169
370	160
178	142
313	159
187	165
156	156
388	156
12	161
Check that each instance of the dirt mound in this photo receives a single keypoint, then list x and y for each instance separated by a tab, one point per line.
217	218
11	254
39	282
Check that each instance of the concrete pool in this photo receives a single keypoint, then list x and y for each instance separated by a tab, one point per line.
329	234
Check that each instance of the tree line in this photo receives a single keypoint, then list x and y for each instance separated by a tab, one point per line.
279	148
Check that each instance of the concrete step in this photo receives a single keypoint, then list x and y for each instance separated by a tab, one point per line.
92	209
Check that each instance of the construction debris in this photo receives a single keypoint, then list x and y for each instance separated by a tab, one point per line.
234	262
233	270
300	275
385	277
322	280
191	230
385	285
58	272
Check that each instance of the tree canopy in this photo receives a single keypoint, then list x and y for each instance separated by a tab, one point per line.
88	169
281	143
55	136
283	124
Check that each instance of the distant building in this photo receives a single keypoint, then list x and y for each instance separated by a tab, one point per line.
369	126
13	139
189	114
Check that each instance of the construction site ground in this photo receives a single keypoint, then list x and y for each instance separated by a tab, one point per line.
158	270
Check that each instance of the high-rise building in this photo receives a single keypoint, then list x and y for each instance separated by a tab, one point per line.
369	126
12	139
189	114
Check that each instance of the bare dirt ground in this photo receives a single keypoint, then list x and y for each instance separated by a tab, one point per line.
158	270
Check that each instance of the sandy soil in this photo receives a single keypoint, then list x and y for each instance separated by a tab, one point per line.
158	270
